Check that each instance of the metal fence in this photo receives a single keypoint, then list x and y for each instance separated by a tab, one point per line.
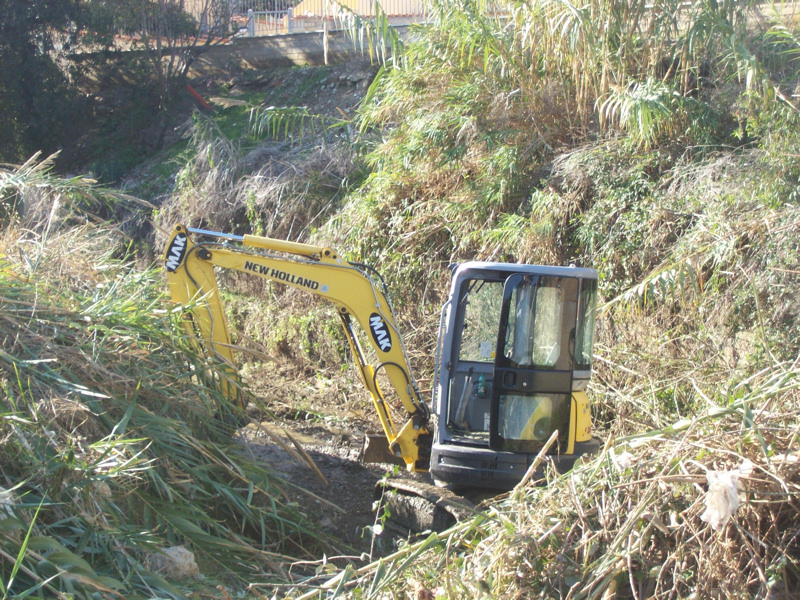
271	17
265	17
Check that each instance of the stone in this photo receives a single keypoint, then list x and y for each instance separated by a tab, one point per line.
175	562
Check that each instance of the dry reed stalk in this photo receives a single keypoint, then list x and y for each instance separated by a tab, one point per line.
108	418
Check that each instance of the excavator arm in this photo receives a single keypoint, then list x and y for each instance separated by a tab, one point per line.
190	267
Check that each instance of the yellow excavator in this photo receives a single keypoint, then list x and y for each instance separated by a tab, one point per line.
512	364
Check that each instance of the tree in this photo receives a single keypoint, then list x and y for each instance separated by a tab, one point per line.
41	106
170	34
36	102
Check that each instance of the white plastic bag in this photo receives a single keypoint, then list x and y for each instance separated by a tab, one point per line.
722	498
623	460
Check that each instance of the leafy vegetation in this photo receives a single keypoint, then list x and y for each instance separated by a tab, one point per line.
656	143
68	83
33	91
655	147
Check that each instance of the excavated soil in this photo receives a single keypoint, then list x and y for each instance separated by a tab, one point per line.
334	90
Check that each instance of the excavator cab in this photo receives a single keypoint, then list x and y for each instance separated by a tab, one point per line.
515	351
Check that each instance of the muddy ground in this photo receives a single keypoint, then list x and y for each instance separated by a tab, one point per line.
330	482
313	439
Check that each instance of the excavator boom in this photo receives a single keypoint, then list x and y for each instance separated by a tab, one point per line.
351	288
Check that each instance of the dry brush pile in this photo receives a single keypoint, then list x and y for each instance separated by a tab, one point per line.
704	508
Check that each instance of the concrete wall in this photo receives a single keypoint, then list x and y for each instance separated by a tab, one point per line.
281	51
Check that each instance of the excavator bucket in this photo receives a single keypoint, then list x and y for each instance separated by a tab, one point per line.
376	450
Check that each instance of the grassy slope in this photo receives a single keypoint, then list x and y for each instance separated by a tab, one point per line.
662	152
667	160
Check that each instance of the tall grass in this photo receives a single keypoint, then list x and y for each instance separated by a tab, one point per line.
627	523
283	188
487	95
656	143
114	446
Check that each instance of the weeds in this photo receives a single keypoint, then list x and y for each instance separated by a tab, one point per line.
629	522
656	147
112	430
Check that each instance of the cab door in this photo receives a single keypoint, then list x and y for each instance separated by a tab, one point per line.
533	366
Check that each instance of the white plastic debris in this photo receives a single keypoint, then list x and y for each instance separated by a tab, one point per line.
175	562
722	498
623	460
7	502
